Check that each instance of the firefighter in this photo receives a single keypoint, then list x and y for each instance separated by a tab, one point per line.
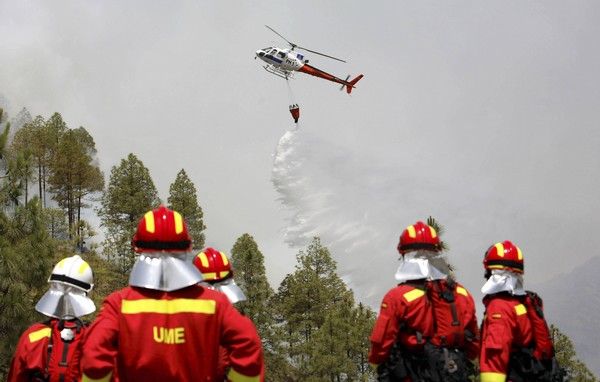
165	326
426	329
218	274
515	340
51	350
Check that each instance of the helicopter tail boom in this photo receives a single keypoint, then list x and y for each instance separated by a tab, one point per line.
321	74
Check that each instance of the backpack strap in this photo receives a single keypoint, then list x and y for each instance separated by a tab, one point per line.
448	295
49	348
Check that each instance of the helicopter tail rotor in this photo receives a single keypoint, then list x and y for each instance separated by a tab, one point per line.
352	83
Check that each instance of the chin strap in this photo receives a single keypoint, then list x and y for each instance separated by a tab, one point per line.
78	323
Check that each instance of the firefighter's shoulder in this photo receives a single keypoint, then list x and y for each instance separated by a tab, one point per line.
405	293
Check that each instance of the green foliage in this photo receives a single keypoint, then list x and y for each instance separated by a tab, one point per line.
43	139
130	194
183	199
27	254
440	229
56	223
10	188
323	336
107	279
567	357
20	161
74	175
249	271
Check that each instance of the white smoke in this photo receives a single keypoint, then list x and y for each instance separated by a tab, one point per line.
339	197
358	206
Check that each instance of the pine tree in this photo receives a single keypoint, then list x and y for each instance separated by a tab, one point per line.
130	194
10	188
27	255
249	273
183	199
74	175
567	357
318	322
21	160
47	137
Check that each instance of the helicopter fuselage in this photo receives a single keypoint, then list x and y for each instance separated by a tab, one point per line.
283	59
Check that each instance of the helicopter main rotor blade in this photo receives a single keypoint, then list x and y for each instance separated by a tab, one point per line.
321	54
277	33
308	50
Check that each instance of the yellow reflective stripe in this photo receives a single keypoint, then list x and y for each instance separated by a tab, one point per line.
203	259
106	378
462	291
224	258
149	218
499	249
83	267
519	253
496	266
432	230
39	334
178	222
520	309
179	305
234	376
411	231
209	276
413	294
492	377
223	274
61	263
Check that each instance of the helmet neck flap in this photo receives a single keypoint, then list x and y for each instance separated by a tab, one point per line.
228	287
422	264
165	271
503	280
65	302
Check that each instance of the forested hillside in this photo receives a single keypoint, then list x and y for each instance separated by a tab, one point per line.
311	326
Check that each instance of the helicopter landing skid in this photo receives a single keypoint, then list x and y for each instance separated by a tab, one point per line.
278	72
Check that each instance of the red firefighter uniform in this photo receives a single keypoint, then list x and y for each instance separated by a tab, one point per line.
170	336
464	336
225	364
407	304
34	360
506	327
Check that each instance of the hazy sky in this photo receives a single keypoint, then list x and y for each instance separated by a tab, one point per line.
483	114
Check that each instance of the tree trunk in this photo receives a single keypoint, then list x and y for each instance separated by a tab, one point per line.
40	181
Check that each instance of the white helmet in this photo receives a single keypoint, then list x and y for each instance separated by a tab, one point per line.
70	283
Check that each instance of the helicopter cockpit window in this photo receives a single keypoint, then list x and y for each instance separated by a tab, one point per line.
281	54
273	51
266	49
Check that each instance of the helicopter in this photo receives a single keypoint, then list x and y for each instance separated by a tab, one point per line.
283	62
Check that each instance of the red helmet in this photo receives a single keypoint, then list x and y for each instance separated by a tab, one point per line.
162	229
504	255
419	236
213	264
